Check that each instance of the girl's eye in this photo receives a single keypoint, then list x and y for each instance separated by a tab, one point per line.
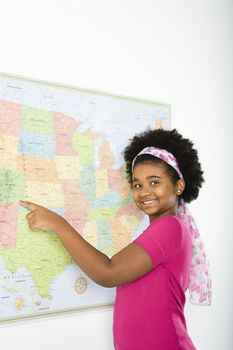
153	183
136	186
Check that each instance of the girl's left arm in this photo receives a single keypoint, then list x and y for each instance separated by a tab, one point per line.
129	264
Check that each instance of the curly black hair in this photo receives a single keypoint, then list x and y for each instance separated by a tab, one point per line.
174	143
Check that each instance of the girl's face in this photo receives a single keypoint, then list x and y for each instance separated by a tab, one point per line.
153	191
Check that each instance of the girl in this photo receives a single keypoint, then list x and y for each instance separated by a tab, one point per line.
153	272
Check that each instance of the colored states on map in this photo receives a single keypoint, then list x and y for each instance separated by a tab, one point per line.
37	145
42	254
37	121
84	147
64	130
12	184
39	169
8	225
87	183
10	116
104	239
8	151
68	167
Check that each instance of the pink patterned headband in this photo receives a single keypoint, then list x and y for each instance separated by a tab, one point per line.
200	284
162	154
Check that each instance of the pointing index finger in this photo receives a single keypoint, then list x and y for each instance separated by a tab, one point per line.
29	205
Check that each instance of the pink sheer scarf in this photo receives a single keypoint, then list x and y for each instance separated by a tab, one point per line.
200	285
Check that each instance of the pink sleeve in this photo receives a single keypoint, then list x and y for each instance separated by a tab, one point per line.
162	239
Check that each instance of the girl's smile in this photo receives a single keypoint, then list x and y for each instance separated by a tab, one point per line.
149	203
153	191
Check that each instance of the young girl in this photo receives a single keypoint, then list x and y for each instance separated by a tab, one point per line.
153	272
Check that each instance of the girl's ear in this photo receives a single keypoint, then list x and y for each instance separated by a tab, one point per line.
180	186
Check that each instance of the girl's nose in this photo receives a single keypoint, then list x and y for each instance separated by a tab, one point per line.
144	192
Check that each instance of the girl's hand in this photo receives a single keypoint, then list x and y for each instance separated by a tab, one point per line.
40	217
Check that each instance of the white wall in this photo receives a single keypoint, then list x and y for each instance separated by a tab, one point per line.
175	51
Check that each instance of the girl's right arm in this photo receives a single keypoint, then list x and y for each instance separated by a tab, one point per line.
129	264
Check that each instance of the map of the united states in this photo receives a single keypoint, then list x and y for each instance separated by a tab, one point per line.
53	159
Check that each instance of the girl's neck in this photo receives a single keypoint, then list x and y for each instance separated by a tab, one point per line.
170	211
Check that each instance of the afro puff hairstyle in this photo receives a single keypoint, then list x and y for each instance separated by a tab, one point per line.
174	143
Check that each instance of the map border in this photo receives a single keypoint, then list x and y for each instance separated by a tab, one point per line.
88	90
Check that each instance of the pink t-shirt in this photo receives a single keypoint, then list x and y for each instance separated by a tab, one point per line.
148	312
